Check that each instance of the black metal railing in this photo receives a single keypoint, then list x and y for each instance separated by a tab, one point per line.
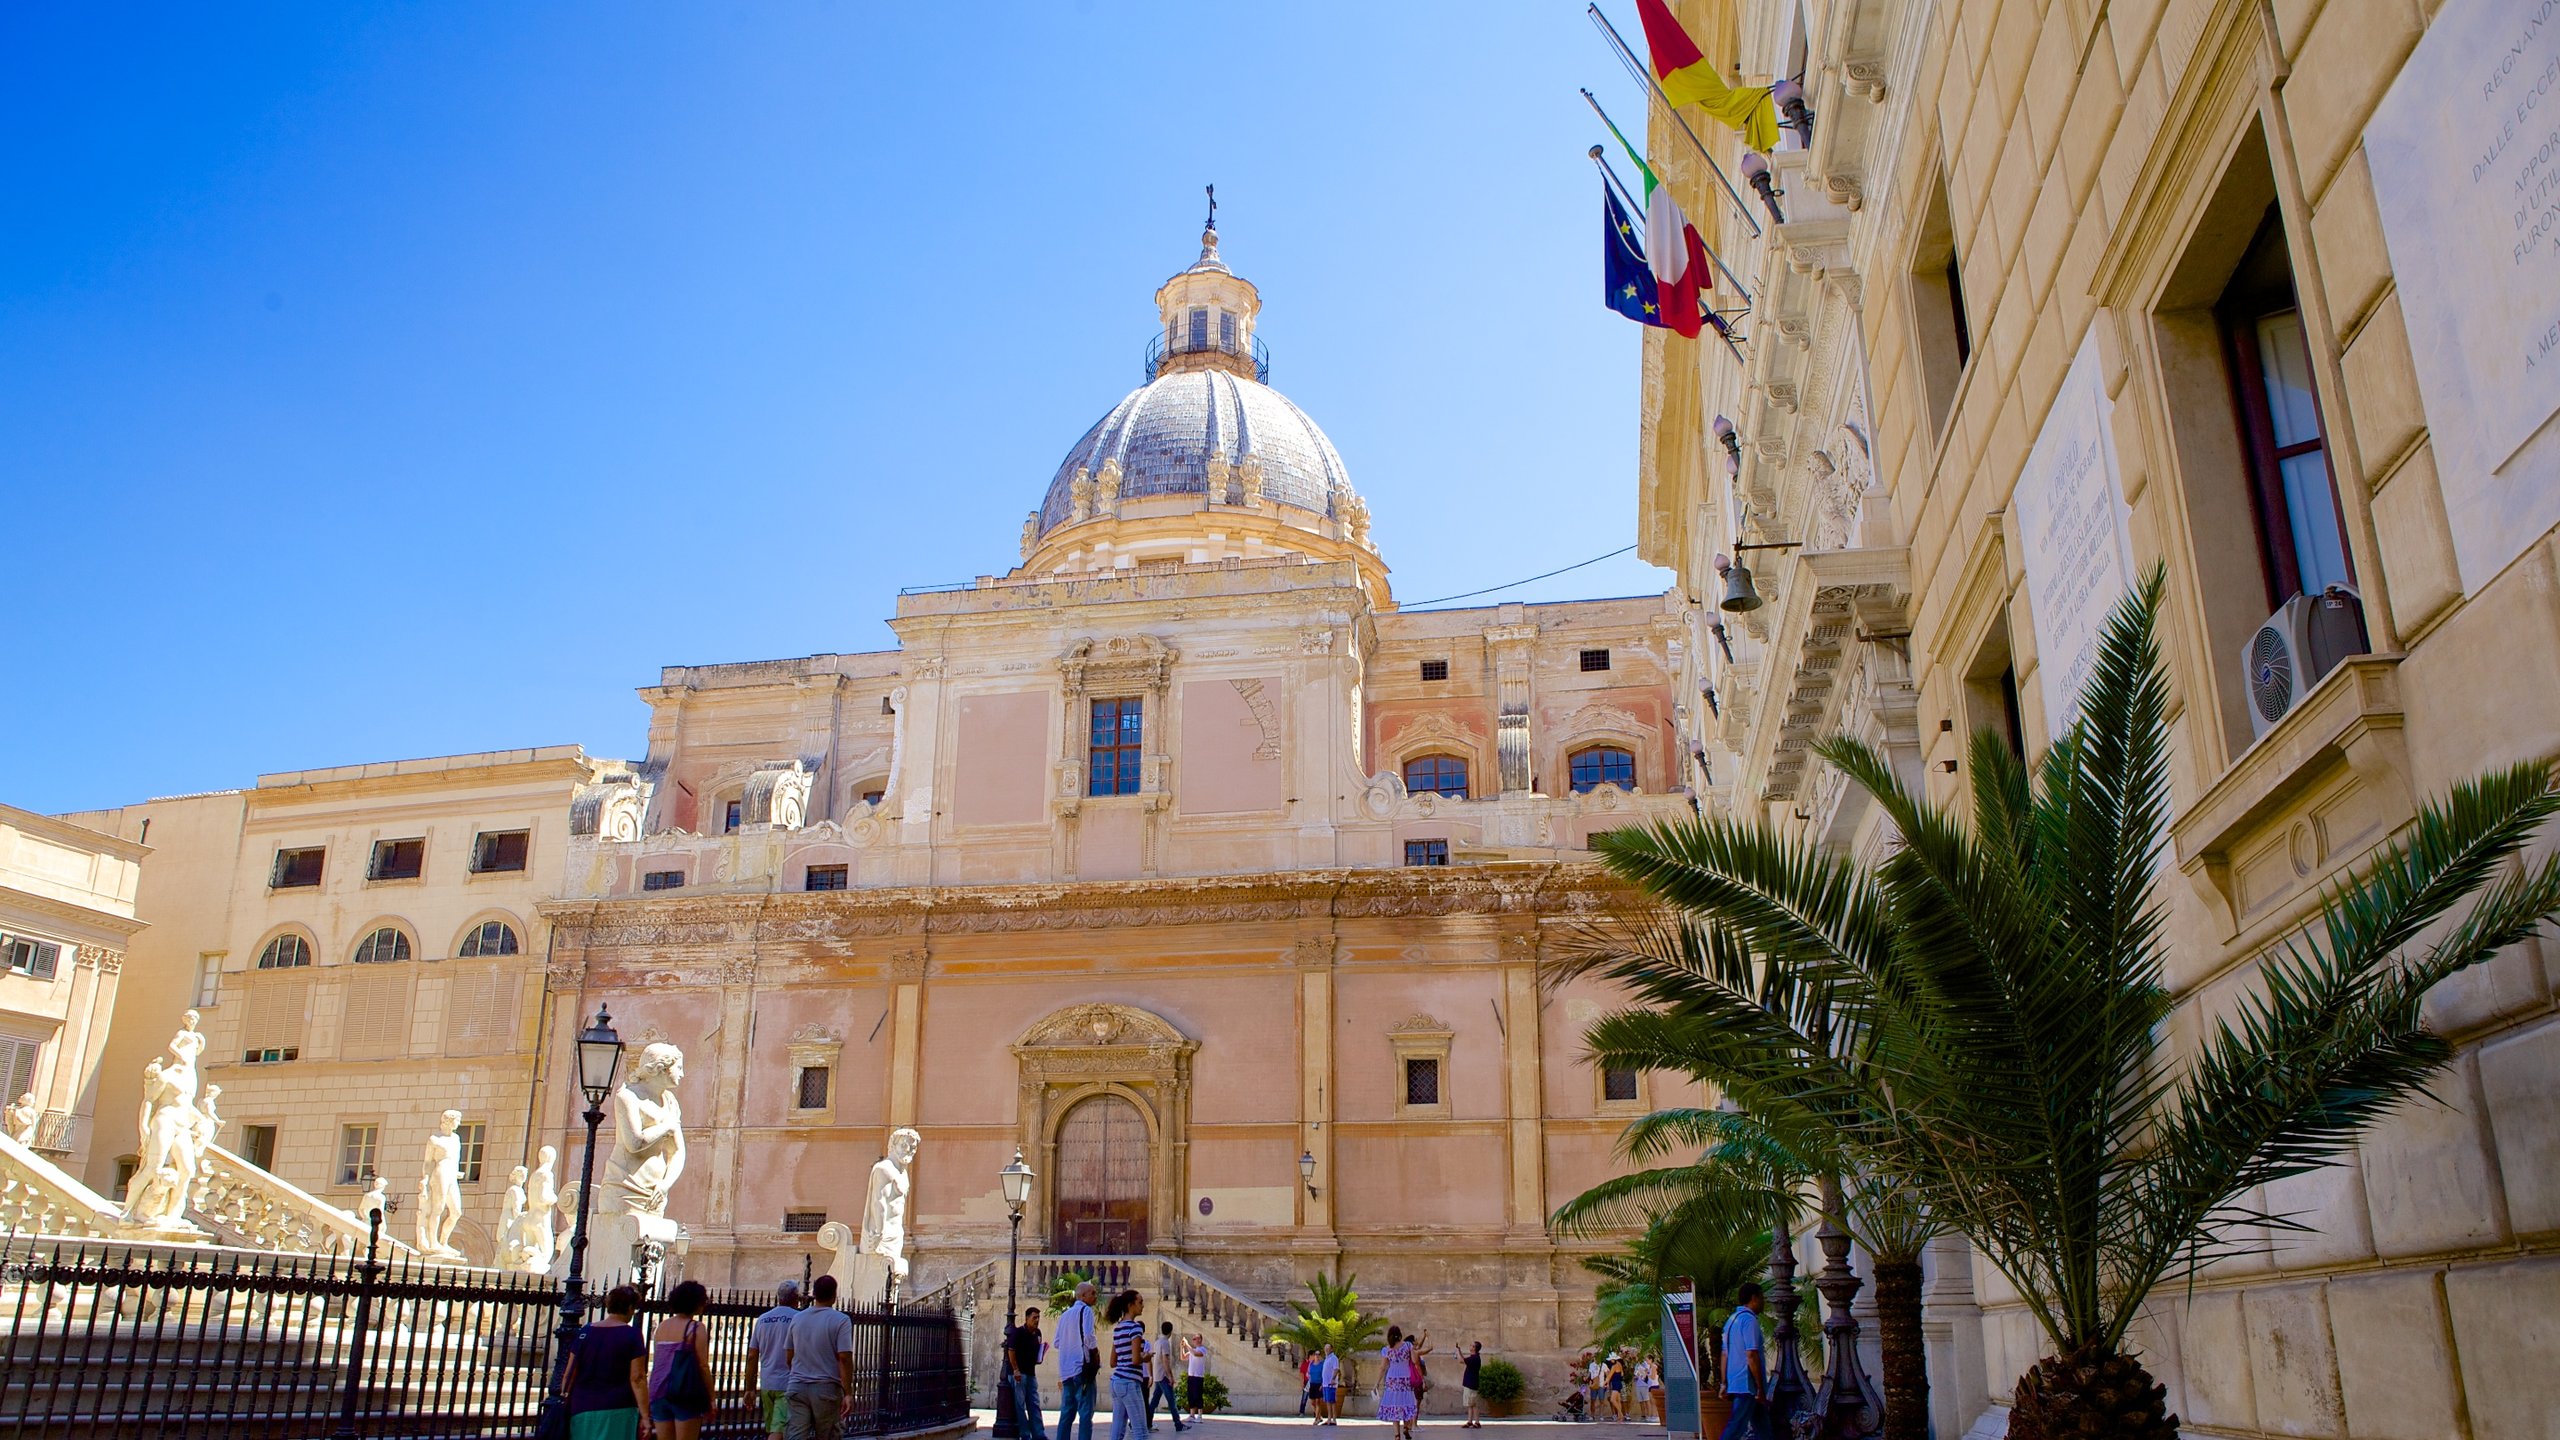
110	1340
1157	350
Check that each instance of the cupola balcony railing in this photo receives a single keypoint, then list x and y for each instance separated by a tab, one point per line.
1158	349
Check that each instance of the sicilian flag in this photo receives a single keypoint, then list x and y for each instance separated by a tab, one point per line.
1687	79
1674	253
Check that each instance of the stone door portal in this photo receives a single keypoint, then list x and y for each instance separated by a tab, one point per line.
1103	1178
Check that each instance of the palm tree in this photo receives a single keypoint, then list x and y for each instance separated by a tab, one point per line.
1334	1320
1627	1307
1979	1018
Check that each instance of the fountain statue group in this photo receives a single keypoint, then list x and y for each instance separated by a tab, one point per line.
178	1127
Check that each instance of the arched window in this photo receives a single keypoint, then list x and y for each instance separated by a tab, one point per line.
383	946
1602	765
494	937
1436	775
284	953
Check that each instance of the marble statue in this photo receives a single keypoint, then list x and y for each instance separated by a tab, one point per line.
377	1199
542	1201
208	1126
440	1190
869	1270
173	1140
628	1228
512	1251
22	1117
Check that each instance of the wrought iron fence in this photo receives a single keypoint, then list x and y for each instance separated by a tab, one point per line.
112	1340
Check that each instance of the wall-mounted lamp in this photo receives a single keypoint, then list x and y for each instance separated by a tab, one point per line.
1732	445
1790	101
1714	707
1307	1172
1724	642
1755	173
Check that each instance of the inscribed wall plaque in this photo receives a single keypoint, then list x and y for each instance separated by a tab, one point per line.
2465	153
2072	525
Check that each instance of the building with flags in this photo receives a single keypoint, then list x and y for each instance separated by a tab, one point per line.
2257	295
1171	853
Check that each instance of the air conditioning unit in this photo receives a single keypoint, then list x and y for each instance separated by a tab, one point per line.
2302	641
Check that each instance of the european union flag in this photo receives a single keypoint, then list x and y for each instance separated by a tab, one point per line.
1631	289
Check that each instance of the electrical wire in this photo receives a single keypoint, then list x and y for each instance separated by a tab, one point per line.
1513	585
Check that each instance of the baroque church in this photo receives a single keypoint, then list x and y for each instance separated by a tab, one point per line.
1176	858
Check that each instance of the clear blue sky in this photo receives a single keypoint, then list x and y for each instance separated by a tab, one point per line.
381	381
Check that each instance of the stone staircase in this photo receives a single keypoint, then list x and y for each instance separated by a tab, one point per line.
236	1203
37	1197
1259	1368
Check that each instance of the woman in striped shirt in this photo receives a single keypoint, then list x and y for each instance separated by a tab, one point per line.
1128	1365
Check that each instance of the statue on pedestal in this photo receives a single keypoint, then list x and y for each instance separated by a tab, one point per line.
629	1226
22	1118
512	1250
868	1269
174	1133
440	1190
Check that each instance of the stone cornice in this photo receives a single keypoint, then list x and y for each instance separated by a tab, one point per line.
1563	888
93	923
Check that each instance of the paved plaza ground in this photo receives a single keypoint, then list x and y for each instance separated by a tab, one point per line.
1274	1427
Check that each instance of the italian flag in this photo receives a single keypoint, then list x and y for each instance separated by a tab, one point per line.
1687	79
1673	250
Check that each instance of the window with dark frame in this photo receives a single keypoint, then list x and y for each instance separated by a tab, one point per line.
1421	1080
474	1136
803	1222
1600	765
258	1146
398	860
285	952
1595	660
662	880
1112	765
1426	852
496	850
826	877
1199	330
730	818
35	959
2301	539
1435	669
359	1147
815	1086
272	1055
125	1166
297	868
1942	331
1436	775
383	946
1618	1083
490	938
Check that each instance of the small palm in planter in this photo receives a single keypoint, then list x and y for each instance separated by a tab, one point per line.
1980	1017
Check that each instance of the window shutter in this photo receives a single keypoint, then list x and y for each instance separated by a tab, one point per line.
18	1066
376	1026
480	1011
276	1012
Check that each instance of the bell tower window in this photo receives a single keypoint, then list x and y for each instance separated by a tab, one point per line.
1199	330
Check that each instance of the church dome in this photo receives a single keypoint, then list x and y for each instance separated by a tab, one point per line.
1190	428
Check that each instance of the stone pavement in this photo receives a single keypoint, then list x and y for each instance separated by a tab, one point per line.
1278	1427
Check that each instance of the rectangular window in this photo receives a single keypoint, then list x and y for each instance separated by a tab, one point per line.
500	850
1941	330
1226	331
1421	1080
730	818
2300	538
1199	330
803	1222
813	1088
474	1136
358	1147
208	981
1595	660
1426	852
125	1165
18	1064
398	860
662	880
271	1055
35	959
258	1146
1435	669
1111	759
1618	1083
296	868
826	877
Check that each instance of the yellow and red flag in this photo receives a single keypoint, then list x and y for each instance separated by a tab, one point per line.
1687	79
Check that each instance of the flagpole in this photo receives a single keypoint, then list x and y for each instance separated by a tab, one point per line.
1730	278
1609	178
1644	72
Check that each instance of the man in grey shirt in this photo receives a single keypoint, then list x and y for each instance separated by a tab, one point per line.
820	1354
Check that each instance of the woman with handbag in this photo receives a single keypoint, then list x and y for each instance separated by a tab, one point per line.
606	1381
680	1365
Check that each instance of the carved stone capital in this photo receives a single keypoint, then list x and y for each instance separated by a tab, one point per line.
907	967
100	959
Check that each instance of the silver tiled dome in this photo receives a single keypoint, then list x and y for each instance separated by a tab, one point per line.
1167	430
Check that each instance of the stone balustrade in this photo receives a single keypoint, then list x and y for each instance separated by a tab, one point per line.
249	1207
37	1197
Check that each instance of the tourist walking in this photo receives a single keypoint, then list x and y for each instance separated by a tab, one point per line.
1195	1366
680	1365
1400	1364
1469	1376
607	1379
1022	1347
1329	1377
1745	1369
1128	1364
771	1339
1310	1384
1079	1353
1160	1362
1613	1377
821	1356
1649	1391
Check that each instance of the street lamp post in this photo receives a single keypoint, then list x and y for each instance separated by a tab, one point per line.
1017	1193
599	1055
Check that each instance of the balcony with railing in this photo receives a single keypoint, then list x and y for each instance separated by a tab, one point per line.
1164	348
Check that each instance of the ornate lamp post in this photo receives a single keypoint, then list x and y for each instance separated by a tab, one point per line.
1017	1193
1849	1405
599	1056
